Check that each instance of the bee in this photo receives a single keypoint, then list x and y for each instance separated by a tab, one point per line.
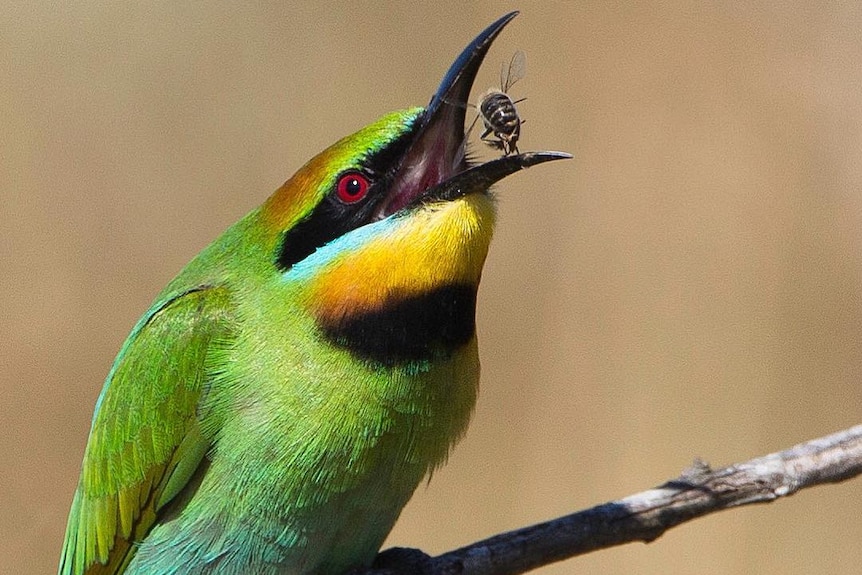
497	109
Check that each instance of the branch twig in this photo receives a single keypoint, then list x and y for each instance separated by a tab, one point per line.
647	515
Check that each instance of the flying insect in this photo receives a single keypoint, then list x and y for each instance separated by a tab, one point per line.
498	111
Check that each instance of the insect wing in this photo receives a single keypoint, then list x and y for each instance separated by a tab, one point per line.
516	71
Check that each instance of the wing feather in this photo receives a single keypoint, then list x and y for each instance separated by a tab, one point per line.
145	442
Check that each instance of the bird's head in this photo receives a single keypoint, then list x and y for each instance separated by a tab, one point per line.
384	234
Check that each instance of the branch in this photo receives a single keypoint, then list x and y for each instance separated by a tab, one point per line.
644	516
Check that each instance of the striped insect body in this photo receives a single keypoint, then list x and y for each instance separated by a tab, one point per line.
498	111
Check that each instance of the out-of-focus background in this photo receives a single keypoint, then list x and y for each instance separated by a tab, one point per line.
689	285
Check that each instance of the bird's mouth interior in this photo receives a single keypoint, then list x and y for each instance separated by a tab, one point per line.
435	155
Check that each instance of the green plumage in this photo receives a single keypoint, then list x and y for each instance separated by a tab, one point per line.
231	436
277	405
145	440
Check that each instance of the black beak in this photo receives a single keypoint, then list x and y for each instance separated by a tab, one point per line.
448	106
434	166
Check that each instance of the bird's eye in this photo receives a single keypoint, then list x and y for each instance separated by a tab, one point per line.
352	187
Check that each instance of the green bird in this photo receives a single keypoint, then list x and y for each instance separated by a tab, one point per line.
278	404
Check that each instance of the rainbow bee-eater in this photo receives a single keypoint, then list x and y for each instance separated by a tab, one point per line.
278	404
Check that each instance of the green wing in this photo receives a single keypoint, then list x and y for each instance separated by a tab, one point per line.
145	442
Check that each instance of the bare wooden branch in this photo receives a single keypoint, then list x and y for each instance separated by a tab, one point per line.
645	516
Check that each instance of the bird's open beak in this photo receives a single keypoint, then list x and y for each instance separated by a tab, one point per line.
434	166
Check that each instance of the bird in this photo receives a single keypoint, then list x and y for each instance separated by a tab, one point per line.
277	405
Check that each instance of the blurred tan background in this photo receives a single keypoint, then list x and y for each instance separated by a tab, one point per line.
689	285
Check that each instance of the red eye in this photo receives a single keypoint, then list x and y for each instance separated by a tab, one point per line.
352	187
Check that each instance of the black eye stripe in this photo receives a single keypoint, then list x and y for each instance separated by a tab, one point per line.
333	217
330	219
